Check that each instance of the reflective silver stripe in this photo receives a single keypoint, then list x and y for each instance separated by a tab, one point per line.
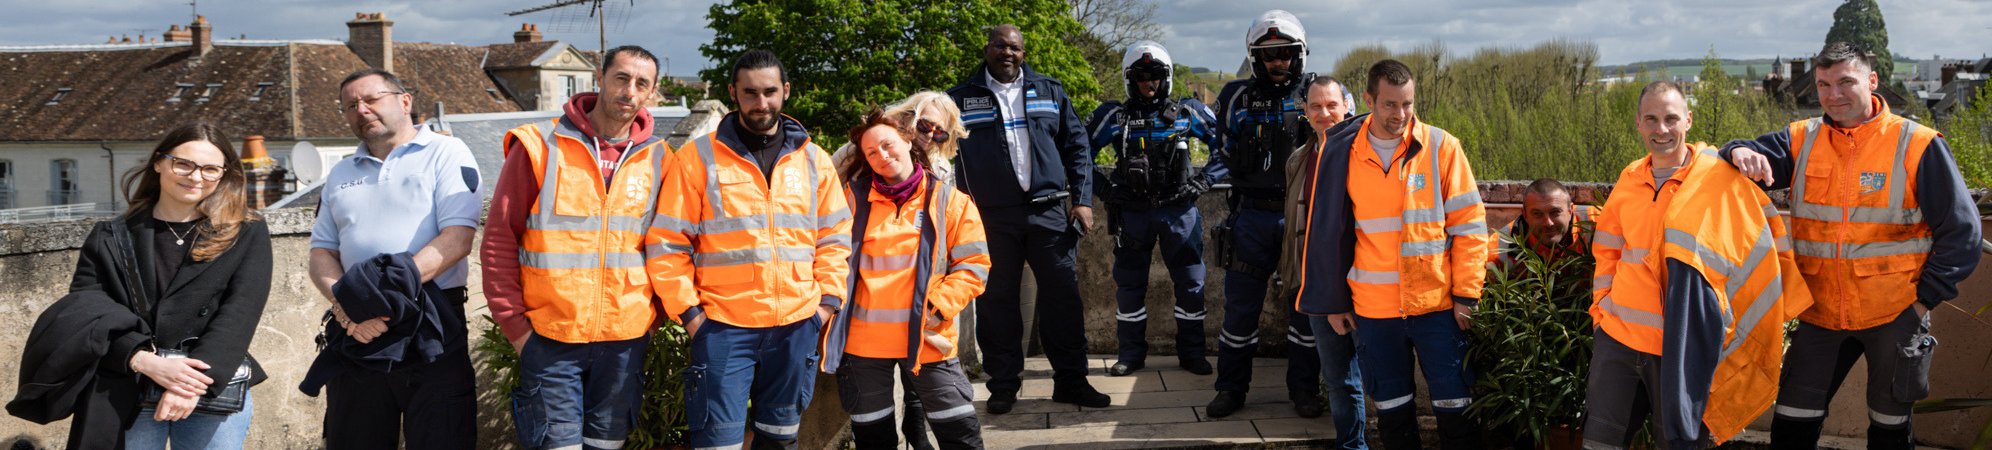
1814	249
705	144
1770	210
567	447
756	222
778	430
1462	201
1393	403
1437	141
720	447
1758	308
603	444
1608	240
951	413
1595	445
1784	243
1709	258
1584	214
1461	402
886	263
1630	314
673	224
1136	316
1372	277
1186	315
1887	419
1898	175
1601	282
1873	249
1295	340
753	255
834	217
1422	248
967	249
1467	229
1635	254
551	260
1798	169
557	222
839	239
809	154
1813	211
666	248
981	273
1891	216
1424	215
1800	413
1234	341
892	315
1380	225
551	159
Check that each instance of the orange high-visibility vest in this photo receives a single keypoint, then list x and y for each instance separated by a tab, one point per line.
750	252
1859	233
1421	231
1720	224
884	317
580	261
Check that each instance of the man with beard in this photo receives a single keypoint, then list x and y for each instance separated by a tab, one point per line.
750	251
406	190
1260	122
1153	191
580	326
1024	161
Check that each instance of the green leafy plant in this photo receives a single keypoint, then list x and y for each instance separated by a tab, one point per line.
1531	343
660	421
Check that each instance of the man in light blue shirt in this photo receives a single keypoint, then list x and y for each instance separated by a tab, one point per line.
411	191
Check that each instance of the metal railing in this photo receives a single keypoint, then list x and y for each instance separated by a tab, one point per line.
51	213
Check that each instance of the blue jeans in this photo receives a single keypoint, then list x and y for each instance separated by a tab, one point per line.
578	394
197	431
1386	347
774	368
1344	376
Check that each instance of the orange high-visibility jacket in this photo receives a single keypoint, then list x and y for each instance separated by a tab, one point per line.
747	249
1860	236
580	262
1421	231
1716	222
884	318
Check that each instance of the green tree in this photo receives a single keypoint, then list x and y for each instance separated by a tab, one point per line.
1859	22
844	56
1969	132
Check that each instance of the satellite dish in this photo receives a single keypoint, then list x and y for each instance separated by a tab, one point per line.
311	164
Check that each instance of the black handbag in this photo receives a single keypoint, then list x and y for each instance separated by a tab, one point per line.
229	400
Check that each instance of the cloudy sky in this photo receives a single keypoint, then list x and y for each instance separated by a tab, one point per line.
1204	33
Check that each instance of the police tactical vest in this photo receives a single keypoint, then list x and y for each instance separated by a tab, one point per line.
1154	156
1270	127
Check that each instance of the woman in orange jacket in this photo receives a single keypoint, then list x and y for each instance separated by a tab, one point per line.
900	311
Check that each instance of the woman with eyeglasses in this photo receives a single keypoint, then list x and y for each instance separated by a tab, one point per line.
192	262
933	117
918	257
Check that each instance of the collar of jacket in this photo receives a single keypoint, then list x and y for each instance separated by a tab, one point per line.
980	77
726	134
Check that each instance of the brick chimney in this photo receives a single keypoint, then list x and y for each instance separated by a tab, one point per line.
177	34
527	33
202	35
372	37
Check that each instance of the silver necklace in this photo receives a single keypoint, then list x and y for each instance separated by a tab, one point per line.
179	238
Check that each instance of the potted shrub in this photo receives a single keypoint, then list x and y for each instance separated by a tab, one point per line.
1531	348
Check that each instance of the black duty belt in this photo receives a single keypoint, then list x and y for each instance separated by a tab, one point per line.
1264	204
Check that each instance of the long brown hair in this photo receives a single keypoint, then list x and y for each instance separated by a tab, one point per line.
226	207
917	152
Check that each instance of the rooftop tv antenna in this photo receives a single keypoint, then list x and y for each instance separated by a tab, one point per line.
568	17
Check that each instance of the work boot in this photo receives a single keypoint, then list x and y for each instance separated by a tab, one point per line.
1125	368
1000	402
1225	403
1081	394
1305	404
1884	438
1796	434
1197	366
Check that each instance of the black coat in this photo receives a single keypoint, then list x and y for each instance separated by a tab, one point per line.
220	301
59	371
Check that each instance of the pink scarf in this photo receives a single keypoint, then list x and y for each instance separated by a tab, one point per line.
902	191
